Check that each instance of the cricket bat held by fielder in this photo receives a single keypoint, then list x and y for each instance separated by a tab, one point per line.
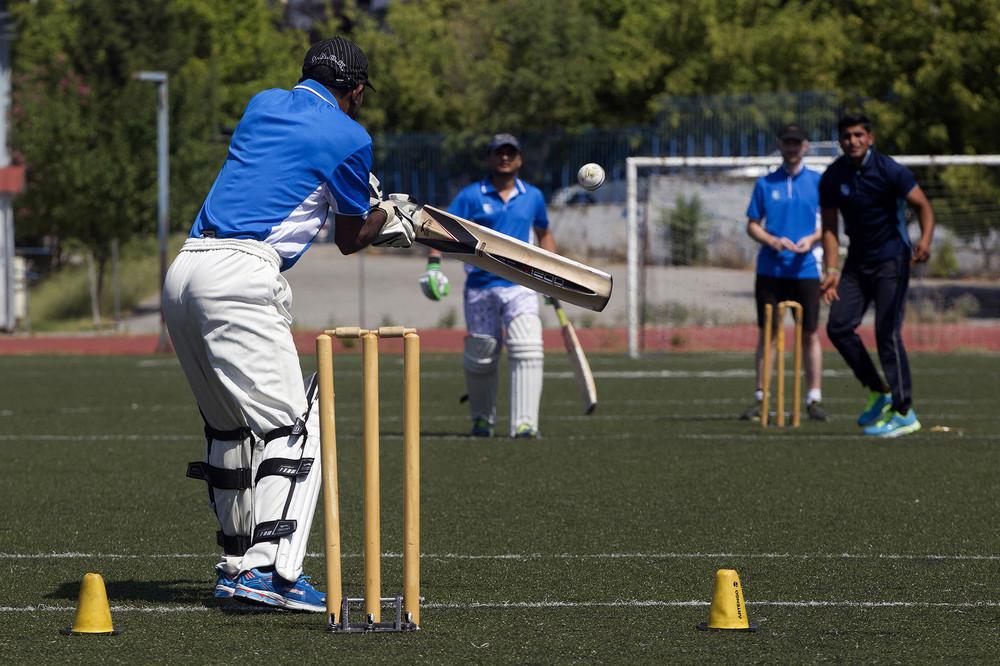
525	264
581	367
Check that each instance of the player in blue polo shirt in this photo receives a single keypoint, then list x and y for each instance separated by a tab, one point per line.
498	311
871	191
783	216
297	159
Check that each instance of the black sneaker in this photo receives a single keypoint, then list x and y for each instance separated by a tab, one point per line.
815	411
752	413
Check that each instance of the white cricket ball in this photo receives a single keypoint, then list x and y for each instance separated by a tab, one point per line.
590	176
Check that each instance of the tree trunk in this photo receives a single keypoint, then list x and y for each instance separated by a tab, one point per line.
95	304
102	264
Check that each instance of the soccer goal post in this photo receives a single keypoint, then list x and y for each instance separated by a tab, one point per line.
964	189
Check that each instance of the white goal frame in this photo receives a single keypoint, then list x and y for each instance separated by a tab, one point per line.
633	164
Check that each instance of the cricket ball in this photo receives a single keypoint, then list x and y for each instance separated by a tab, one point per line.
590	176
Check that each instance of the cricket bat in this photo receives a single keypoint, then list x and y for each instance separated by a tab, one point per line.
528	265
581	368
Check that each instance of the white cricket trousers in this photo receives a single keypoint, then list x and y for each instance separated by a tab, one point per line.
227	309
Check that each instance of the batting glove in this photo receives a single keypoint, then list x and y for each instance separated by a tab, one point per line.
433	282
398	228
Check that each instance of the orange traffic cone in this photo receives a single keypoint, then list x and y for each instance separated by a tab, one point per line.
93	615
728	612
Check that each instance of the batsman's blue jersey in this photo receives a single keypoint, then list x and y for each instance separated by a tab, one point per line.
481	203
789	207
294	159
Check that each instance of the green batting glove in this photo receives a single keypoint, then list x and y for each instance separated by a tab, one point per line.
433	282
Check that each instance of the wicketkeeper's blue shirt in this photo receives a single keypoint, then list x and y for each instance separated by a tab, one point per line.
481	203
872	201
789	207
294	159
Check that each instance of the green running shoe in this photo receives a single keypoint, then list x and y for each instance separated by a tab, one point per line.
876	407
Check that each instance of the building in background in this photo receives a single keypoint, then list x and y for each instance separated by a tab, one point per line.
11	182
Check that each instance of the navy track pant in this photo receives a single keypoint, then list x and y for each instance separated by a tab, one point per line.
884	283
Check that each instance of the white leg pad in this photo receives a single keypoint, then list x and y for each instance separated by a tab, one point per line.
482	353
229	470
287	485
526	353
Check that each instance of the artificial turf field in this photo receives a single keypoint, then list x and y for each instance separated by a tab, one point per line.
597	543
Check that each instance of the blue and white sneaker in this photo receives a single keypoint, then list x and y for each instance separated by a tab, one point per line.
264	587
225	585
894	424
876	407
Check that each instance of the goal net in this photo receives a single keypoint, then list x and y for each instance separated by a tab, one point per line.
691	211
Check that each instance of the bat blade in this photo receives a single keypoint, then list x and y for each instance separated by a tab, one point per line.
581	367
525	264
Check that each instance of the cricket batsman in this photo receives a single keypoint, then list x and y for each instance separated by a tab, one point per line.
297	159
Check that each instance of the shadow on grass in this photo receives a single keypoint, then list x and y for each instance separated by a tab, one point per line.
170	591
165	591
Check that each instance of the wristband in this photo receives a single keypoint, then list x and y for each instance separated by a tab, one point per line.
433	263
833	271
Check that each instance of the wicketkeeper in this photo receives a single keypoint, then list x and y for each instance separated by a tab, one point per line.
296	159
498	311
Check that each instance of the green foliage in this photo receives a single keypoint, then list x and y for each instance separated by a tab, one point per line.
87	129
684	231
944	263
925	71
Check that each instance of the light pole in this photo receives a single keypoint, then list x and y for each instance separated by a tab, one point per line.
163	186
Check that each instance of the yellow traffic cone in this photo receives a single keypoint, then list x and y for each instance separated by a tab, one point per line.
728	612
93	615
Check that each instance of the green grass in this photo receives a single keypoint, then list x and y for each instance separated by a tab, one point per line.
848	549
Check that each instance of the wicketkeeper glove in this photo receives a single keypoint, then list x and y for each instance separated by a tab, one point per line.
433	282
398	228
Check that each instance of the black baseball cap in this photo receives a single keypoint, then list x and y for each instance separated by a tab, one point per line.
336	62
501	140
793	132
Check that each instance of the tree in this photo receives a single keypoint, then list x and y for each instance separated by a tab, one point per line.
86	129
684	230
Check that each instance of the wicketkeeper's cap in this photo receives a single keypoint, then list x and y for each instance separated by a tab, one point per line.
501	140
793	132
336	62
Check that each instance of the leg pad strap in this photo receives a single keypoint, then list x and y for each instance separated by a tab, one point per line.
233	545
272	530
220	477
287	467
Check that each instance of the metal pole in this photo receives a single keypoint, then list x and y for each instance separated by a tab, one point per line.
163	185
632	236
163	188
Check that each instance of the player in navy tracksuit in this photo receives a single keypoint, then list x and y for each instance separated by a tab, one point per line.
872	191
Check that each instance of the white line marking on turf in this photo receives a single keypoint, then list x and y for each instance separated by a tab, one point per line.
101	438
547	603
525	557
